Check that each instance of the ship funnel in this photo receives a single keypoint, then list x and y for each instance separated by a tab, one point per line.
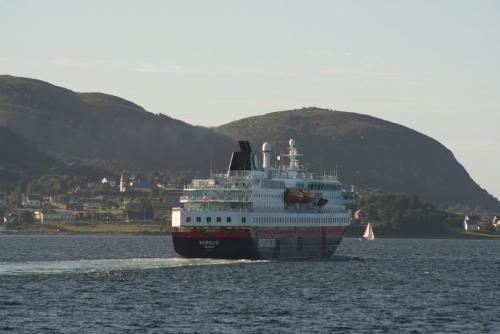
266	155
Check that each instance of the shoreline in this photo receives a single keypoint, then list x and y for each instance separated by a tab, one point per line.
145	233
164	229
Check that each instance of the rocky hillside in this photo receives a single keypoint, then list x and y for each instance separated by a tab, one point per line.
105	130
368	151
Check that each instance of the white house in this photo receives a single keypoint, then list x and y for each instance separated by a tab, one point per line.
108	180
471	223
496	223
33	201
38	215
57	216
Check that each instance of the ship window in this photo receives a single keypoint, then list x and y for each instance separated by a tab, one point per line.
218	219
228	219
243	219
209	219
198	219
188	219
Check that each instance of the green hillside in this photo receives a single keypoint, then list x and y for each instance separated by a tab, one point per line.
105	130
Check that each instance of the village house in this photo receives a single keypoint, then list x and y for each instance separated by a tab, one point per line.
95	205
472	223
57	216
128	183
142	186
96	202
496	223
108	180
37	214
32	201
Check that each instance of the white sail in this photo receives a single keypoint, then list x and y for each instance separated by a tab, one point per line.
368	235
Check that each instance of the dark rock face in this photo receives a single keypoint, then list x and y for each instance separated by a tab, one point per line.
369	152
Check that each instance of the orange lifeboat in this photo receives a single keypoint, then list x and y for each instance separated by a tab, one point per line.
307	197
293	196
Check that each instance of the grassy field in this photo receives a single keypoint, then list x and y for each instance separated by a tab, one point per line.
480	235
93	228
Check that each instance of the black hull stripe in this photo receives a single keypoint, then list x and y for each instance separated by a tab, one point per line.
248	248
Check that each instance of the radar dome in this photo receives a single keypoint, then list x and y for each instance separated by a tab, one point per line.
266	147
291	142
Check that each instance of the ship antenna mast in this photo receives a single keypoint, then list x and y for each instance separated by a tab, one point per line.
292	155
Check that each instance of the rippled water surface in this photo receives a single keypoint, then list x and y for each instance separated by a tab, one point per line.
96	284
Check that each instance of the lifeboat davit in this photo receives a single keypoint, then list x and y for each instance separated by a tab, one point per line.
322	201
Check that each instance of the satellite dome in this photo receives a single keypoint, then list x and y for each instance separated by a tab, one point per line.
266	147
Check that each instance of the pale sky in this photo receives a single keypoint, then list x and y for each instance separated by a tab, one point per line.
429	65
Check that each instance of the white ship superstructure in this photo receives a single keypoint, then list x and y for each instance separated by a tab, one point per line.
261	211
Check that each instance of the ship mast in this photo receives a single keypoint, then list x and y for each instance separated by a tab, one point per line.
293	155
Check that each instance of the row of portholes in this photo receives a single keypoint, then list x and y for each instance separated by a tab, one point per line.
279	220
217	219
284	220
269	195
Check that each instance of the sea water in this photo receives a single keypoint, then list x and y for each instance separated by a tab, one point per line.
126	284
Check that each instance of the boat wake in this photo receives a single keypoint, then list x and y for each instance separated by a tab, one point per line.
103	265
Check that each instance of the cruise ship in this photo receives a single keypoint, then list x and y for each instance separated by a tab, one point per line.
262	211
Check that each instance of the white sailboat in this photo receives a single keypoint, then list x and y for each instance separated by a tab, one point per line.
368	235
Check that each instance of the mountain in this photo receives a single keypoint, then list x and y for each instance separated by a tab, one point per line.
105	130
369	152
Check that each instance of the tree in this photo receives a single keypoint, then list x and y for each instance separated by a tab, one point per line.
19	219
406	213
